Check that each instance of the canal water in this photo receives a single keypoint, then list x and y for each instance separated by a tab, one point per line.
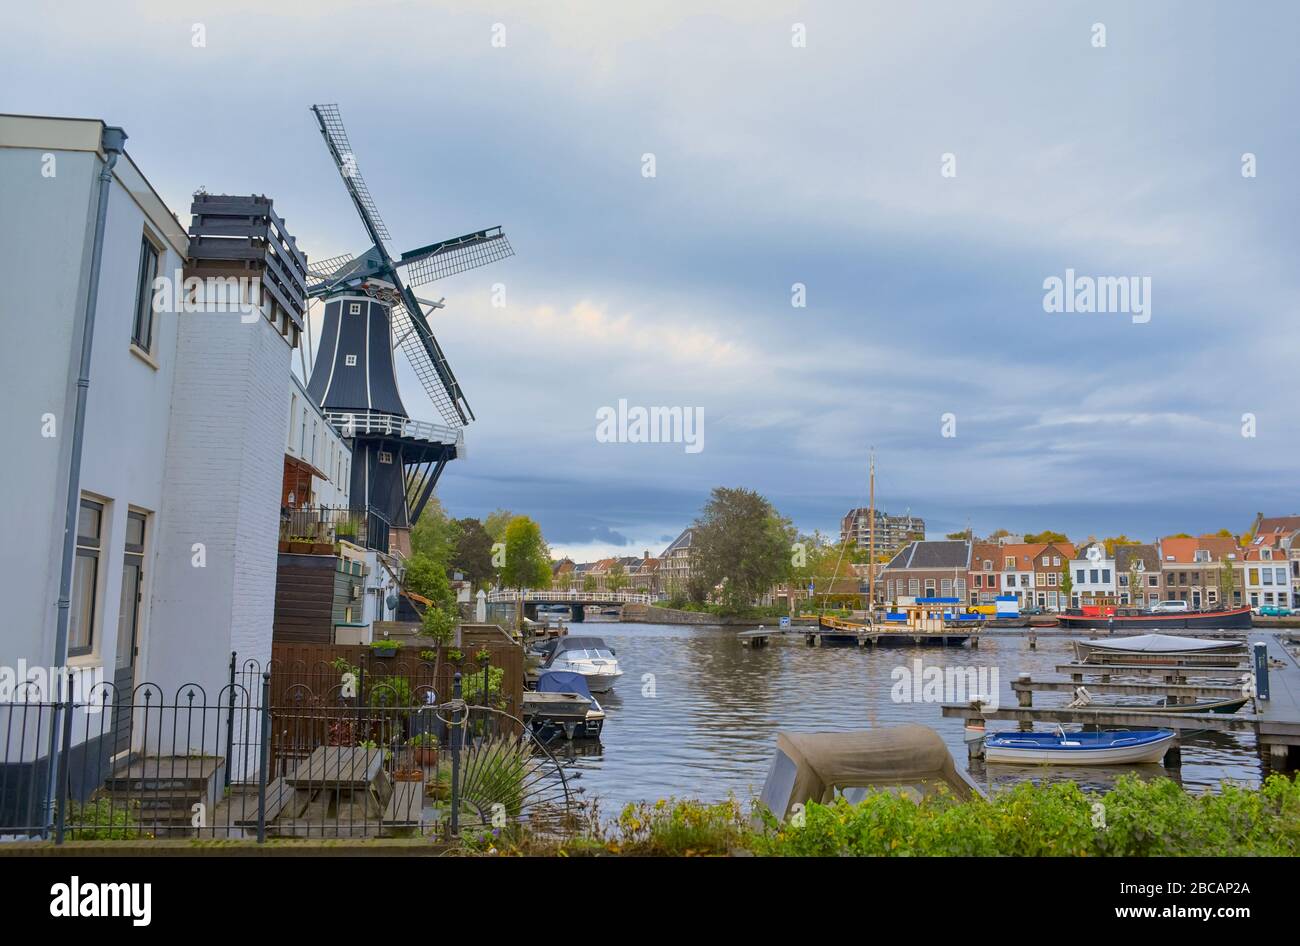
696	713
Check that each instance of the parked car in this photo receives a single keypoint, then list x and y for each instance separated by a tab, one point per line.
1169	607
1274	611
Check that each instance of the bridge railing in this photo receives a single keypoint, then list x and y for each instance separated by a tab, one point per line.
571	597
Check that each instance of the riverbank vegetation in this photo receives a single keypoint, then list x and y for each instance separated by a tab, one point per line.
1136	818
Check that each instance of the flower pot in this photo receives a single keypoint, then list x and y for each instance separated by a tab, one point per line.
322	548
426	755
300	548
385	653
408	775
284	545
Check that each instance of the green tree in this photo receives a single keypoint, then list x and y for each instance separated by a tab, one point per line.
496	523
1227	581
528	560
435	534
588	582
1067	583
742	543
473	553
428	577
616	579
963	534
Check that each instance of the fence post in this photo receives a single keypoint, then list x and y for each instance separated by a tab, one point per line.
265	757
361	689
455	758
230	721
61	785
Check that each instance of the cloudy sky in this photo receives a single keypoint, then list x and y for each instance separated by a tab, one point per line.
778	164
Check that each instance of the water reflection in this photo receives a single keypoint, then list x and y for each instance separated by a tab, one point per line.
696	713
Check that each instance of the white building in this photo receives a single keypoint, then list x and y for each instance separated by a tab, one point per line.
178	484
317	460
1094	577
1267	575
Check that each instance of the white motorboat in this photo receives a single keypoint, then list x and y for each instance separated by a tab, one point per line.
589	656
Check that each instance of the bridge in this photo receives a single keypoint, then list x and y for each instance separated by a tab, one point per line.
575	600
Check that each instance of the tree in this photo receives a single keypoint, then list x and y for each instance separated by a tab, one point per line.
427	577
1114	542
435	534
496	523
1042	538
528	560
1135	581
617	578
588	582
963	534
742	543
1067	584
1227	581
998	534
473	553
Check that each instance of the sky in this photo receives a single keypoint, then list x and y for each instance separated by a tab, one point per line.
827	163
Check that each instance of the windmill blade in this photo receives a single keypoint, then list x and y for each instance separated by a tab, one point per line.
428	362
325	268
448	257
336	140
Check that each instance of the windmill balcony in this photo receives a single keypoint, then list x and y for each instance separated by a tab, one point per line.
351	423
322	526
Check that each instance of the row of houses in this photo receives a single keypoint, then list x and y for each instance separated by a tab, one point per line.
1204	571
661	576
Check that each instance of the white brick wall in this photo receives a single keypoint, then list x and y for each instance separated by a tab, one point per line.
223	474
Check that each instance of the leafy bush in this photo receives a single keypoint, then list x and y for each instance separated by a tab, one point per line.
1134	819
102	820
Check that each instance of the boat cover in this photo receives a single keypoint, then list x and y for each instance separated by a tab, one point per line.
1160	644
562	681
811	766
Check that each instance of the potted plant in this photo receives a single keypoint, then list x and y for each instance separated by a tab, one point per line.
425	747
300	544
385	648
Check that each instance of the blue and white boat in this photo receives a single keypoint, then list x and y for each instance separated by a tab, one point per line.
1114	747
574	722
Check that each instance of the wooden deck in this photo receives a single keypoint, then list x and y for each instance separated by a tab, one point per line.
1279	715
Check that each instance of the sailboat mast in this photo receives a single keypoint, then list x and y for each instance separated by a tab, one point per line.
871	541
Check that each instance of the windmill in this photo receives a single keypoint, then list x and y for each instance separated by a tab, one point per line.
370	311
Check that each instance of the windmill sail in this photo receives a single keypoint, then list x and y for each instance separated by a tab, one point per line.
369	311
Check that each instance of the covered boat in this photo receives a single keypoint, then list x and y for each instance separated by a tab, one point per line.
820	767
1117	747
1156	648
563	703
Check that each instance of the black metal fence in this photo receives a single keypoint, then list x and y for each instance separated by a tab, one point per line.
335	754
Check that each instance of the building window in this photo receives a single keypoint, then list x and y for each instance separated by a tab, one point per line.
128	617
1105	576
1079	573
350	361
385	456
913	586
354	308
1093	576
85	579
142	329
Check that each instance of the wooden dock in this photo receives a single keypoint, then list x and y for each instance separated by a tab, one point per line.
816	636
1275	720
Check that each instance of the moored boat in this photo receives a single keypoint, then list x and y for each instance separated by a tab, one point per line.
589	656
1159	649
1135	619
1117	747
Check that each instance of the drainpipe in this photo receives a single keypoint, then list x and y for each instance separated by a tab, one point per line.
112	141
